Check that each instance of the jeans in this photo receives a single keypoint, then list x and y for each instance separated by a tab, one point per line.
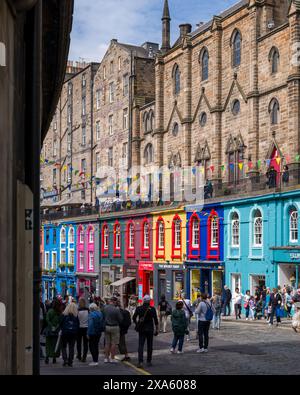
178	339
143	336
203	329
252	313
227	307
237	310
274	312
82	337
216	320
68	341
122	345
94	347
247	311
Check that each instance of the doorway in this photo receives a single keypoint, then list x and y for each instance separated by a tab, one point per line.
161	283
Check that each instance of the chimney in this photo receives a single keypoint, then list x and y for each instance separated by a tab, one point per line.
185	29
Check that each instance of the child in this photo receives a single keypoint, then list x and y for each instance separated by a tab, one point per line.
252	308
296	318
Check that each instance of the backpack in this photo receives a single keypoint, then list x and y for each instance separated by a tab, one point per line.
209	312
70	324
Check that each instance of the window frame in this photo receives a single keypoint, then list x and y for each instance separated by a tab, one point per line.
236	51
160	251
130	237
145	249
192	247
105	240
294	230
176	249
213	250
254	229
235	221
117	249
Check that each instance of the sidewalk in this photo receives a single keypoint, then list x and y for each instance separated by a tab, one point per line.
284	321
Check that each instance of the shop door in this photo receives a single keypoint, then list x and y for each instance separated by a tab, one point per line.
257	281
236	282
162	283
205	281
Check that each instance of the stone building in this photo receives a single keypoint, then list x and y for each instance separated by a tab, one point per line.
227	94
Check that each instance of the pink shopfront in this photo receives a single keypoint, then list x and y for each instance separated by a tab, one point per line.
87	252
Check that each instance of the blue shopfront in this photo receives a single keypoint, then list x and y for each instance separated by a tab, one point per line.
204	262
287	261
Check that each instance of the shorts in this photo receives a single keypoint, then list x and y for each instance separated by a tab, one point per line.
112	335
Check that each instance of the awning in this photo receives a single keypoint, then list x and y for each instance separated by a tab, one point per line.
122	281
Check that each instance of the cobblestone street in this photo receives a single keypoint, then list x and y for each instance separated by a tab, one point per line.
238	348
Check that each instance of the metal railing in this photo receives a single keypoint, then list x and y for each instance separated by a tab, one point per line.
246	186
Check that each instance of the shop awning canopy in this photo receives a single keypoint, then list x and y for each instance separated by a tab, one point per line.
122	281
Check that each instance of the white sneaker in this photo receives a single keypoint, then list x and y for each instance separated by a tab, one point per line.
172	350
179	352
205	350
200	350
93	364
106	360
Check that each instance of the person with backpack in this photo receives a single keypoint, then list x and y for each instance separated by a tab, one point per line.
187	308
217	304
69	333
83	316
145	319
205	311
94	331
179	327
124	326
163	312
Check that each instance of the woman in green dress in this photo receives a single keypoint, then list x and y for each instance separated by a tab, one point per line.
53	320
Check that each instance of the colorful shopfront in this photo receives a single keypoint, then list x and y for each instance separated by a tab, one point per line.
204	262
49	261
169	250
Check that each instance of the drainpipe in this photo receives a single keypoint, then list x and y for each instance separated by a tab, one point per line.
131	87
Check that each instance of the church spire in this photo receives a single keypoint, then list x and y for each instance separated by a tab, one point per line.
166	28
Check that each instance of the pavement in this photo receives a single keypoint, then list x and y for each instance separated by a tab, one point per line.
240	347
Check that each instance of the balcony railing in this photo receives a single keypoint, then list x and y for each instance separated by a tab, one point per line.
246	186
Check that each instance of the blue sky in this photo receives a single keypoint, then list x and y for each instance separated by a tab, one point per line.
96	22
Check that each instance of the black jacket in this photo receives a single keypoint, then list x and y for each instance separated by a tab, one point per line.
126	322
150	317
275	299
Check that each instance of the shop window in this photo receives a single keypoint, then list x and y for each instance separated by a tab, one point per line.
117	239
194	237
178	284
145	239
293	219
160	238
105	240
176	237
130	239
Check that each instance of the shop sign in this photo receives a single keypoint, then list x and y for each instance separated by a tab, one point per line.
168	287
179	277
161	266
295	256
131	272
146	266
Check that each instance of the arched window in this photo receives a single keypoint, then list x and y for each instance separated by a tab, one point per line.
195	232
151	120
176	78
204	65
130	239
236	48
176	237
91	235
81	235
146	231
175	129
274	59
214	232
71	235
274	111
117	238
148	154
293	226
145	121
236	107
235	230
160	238
63	235
105	240
257	229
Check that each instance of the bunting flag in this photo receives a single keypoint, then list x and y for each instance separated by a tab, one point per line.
259	164
278	160
297	157
212	168
194	170
223	167
268	161
288	159
202	170
76	172
231	166
241	165
250	165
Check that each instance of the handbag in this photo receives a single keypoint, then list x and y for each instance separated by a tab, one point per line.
139	325
279	312
169	310
189	310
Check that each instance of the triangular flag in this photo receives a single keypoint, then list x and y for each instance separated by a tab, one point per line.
278	160
250	165
258	163
241	165
288	159
212	168
223	167
268	161
297	157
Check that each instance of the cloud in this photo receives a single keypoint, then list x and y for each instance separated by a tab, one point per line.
96	22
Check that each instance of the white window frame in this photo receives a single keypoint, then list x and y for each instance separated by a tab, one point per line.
118	237
146	236
71	236
214	232
81	260
71	254
235	232
256	234
195	233
98	161
63	232
54	266
111	92
98	99
84	106
63	252
131	237
110	124
125	118
91	255
161	235
293	226
106	238
98	130
81	236
177	234
47	260
91	236
83	135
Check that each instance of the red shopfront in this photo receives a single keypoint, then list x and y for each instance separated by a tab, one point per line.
146	281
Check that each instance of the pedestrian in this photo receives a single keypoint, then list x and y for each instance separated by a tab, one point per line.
53	319
179	327
259	310
296	297
272	177
275	303
124	327
205	311
194	308
285	175
227	296
217	303
83	316
163	309
252	308
146	321
94	331
132	304
288	303
113	319
267	307
187	307
296	318
69	333
237	300
247	297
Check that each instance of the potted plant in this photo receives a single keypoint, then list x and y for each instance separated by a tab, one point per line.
71	265
62	265
52	271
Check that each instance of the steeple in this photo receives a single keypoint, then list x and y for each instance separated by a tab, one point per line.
166	28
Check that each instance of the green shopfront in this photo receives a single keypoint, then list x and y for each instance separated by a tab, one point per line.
287	265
